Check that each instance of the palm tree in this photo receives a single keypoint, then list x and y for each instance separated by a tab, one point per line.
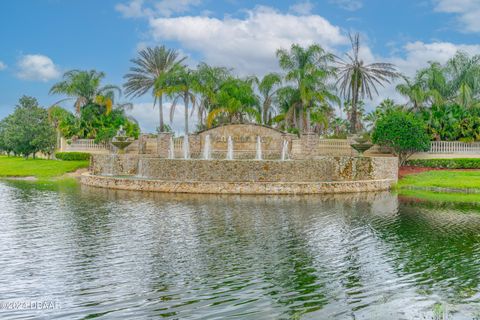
177	84
464	72
207	82
309	69
289	103
146	70
268	87
358	80
236	102
417	94
433	80
84	87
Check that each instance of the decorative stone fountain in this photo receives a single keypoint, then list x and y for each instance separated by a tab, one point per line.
238	169
121	140
361	144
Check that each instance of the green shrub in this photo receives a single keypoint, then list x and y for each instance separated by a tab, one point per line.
461	163
403	133
72	156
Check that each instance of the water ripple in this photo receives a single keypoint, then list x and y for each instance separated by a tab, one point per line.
117	255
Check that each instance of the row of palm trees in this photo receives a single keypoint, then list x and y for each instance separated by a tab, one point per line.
455	82
302	99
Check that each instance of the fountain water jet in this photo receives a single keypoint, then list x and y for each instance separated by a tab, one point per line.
229	148
186	148
285	150
171	149
259	149
140	168
207	148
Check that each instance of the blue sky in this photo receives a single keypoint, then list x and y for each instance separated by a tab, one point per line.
43	38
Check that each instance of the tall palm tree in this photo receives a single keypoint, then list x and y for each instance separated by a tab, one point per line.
84	87
309	69
268	87
178	85
151	64
358	80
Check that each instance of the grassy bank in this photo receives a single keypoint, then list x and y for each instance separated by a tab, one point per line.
443	186
39	168
443	179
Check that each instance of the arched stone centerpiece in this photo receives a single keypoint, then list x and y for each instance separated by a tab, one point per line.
245	137
245	159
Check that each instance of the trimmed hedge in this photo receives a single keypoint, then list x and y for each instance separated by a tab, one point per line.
460	163
72	156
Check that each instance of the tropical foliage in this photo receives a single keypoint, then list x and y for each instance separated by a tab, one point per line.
85	88
447	97
98	115
314	92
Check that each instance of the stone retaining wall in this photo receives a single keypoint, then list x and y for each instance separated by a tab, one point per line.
122	183
320	175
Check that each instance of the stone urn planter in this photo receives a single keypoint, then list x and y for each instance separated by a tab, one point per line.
360	143
121	141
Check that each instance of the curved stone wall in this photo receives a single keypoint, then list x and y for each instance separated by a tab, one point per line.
320	175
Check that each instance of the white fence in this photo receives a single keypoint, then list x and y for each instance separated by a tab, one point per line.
454	147
325	146
84	145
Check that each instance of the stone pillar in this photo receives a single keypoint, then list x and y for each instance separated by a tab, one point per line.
309	142
195	145
163	144
142	144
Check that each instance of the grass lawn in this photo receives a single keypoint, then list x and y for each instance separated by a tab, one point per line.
443	179
39	168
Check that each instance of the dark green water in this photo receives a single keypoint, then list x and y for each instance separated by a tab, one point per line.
118	255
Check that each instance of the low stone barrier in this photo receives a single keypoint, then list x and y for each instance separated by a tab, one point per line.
319	175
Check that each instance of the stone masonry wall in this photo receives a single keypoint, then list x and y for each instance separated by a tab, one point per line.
310	170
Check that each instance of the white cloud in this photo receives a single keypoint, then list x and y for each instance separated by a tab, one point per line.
168	7
163	8
247	44
418	54
148	117
302	8
2	65
350	5
132	9
468	12
37	67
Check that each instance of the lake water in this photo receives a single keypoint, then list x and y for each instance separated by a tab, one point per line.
84	253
